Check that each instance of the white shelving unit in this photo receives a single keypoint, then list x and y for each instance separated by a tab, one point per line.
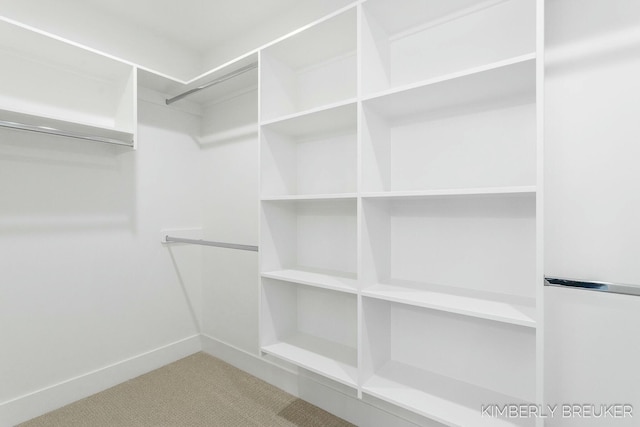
51	83
406	197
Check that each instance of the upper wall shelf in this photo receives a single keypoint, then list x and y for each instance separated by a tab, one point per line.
49	78
429	38
39	124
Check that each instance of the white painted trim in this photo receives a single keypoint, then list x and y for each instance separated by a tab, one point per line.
541	63
331	399
28	406
267	371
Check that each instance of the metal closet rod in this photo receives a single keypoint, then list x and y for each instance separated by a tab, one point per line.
170	239
214	82
613	288
67	133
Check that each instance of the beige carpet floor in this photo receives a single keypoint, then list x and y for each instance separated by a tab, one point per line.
199	390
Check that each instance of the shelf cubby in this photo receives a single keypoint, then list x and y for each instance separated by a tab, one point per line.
82	91
412	40
470	131
312	240
470	255
313	328
311	154
444	366
315	67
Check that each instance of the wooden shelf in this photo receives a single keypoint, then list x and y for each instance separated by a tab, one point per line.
508	79
424	39
326	119
324	114
311	278
443	399
335	361
436	136
311	155
483	243
303	197
443	365
66	85
46	125
501	308
309	326
457	192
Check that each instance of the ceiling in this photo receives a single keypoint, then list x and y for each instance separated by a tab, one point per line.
198	24
181	39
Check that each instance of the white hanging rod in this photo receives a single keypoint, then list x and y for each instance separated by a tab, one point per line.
214	82
128	141
614	288
170	239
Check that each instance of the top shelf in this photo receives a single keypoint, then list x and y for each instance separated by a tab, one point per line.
311	69
425	39
44	76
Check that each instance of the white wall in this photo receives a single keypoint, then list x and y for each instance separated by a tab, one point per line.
85	282
231	183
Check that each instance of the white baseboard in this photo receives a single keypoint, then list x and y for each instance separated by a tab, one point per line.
280	377
329	398
297	382
34	404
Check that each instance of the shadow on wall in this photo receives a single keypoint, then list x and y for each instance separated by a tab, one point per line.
53	184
